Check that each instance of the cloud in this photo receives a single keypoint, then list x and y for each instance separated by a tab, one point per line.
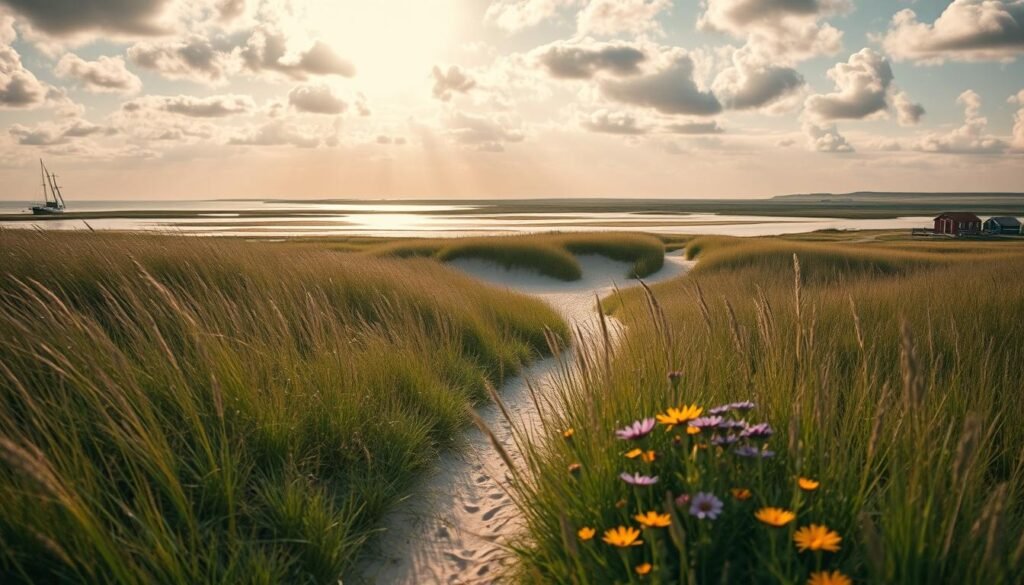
228	10
268	50
1018	120
482	133
671	90
49	134
452	81
584	60
611	17
275	133
970	138
790	30
68	18
194	58
967	30
694	128
862	88
753	82
609	122
19	87
215	106
908	113
516	15
104	75
385	140
826	138
316	99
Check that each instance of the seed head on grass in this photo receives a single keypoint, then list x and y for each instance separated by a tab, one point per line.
705	506
653	519
816	537
622	537
638	479
638	430
827	578
774	516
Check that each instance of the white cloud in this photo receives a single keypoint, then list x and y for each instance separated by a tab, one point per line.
693	128
270	50
50	134
971	138
967	30
862	87
753	81
452	81
316	99
483	133
215	106
612	17
73	18
790	30
908	113
275	133
516	15
612	122
104	75
586	58
192	58
825	138
1018	120
671	90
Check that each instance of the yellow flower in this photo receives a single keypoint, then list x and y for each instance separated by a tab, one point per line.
692	430
678	416
774	516
648	456
817	537
568	433
807	484
634	453
643	568
586	533
622	536
826	578
653	519
741	494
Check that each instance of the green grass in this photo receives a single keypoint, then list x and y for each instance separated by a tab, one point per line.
186	410
549	254
891	376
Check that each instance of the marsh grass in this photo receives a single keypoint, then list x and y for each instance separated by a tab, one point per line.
549	254
892	377
184	410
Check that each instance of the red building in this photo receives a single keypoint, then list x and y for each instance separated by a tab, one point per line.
958	223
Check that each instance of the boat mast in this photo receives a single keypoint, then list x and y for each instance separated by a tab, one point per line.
56	193
43	175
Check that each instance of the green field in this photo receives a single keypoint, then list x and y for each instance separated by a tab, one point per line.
891	373
182	410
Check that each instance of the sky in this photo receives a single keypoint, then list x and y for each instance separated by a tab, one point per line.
461	99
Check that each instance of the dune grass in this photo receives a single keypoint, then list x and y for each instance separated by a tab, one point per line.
182	410
549	254
891	378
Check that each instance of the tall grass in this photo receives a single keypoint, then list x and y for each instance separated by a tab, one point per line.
179	410
549	254
893	378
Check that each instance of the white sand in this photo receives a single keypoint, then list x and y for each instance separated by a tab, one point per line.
454	527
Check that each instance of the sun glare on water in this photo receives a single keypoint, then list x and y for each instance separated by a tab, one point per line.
393	43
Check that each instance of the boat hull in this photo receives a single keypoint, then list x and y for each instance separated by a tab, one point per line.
40	210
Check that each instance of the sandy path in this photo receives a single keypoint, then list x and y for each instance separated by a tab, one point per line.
452	530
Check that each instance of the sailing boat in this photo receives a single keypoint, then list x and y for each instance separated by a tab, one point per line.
53	201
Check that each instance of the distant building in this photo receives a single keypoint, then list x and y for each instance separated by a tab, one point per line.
1008	226
958	223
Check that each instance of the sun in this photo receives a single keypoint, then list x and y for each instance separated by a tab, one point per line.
393	43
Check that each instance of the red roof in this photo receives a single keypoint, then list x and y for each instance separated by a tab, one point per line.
959	216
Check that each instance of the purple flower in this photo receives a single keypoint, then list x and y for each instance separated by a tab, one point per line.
682	500
719	440
637	430
705	506
706	422
750	451
733	424
742	406
637	479
758	431
724	408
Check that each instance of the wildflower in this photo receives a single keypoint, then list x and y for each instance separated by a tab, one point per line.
568	433
774	516
643	568
678	416
620	504
705	506
750	451
732	424
634	453
574	468
807	484
586	533
648	456
722	409
637	479
741	494
638	430
677	441
758	431
724	441
817	537
682	500
692	430
826	578
742	406
653	519
675	375
622	536
706	422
